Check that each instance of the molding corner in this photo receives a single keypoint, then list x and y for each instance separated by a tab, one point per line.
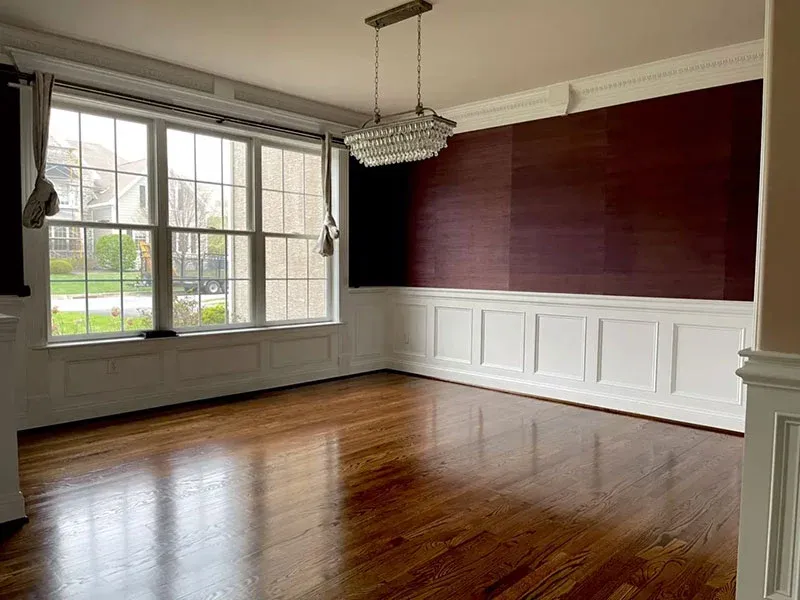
770	369
700	70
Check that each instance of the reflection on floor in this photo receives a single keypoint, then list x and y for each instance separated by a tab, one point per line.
382	486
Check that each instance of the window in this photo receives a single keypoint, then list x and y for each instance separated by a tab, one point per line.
292	210
210	225
144	227
98	285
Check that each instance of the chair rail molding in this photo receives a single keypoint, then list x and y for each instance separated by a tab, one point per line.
708	68
769	568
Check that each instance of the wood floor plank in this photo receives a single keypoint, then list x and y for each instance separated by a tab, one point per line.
380	486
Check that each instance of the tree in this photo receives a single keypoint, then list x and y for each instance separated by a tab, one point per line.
107	252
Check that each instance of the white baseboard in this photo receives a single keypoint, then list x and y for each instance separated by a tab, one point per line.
593	399
12	507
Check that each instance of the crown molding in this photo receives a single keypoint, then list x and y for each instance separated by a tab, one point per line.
709	68
116	70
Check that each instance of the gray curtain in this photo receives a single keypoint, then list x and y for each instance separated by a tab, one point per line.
330	231
43	199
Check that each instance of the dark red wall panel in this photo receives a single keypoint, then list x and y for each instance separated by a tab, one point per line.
655	198
459	219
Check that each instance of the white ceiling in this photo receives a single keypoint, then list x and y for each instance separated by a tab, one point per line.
472	49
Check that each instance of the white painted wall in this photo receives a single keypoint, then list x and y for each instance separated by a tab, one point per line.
12	505
64	383
674	359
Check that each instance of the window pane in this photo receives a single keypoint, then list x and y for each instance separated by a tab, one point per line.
317	301
209	206
297	259
239	257
314	211
185	308
67	182
234	160
105	306
208	158
63	142
99	195
137	275
293	171
271	168
317	264
313	174
132	147
66	253
275	258
276	300
97	142
180	154
272	215
181	203
298	299
239	309
293	213
67	307
134	199
185	265
235	208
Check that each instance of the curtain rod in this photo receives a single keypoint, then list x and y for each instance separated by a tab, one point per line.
218	118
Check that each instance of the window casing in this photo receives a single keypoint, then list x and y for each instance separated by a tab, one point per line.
172	225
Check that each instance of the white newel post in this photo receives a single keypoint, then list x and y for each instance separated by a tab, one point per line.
12	504
769	554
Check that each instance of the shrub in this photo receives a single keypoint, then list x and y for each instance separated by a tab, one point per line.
214	314
59	266
184	312
107	254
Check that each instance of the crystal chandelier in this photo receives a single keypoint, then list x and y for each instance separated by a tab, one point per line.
403	137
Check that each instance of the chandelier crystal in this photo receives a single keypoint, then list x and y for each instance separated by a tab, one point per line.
405	137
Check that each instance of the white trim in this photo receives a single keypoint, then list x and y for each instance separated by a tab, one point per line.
12	507
709	68
637	303
107	68
689	379
596	399
770	369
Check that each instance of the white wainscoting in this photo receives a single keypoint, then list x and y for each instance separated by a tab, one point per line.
64	383
674	359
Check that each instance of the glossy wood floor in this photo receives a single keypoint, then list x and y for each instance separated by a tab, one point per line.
383	486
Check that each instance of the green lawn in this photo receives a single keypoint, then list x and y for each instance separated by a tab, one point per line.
100	282
74	323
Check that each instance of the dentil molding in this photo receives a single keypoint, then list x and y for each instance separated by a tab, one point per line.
709	68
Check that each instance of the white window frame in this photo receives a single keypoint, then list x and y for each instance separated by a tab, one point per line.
37	246
329	271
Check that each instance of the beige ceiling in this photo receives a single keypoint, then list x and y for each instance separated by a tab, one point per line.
472	49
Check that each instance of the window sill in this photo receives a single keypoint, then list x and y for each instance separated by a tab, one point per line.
134	341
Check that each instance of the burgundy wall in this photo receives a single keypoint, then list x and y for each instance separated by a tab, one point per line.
655	198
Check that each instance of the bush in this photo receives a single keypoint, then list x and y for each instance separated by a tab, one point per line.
107	254
59	266
214	314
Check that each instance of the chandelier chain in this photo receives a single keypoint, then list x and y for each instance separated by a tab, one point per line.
377	111
419	64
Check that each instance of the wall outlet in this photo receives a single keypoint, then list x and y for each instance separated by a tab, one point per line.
113	369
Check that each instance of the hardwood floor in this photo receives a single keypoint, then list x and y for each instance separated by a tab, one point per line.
382	486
